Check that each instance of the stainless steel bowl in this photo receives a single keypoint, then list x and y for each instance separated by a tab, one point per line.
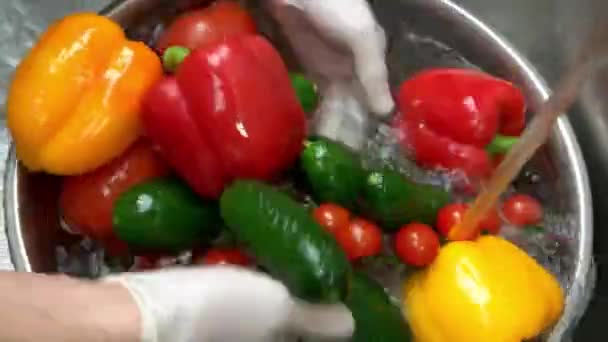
421	33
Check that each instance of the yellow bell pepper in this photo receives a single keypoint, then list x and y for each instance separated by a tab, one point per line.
482	291
73	104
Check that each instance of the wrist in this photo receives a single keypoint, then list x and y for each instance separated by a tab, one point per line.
53	308
117	314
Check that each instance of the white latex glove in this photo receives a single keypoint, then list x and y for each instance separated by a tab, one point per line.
342	47
226	304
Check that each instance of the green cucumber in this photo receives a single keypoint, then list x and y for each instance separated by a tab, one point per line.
333	171
286	241
377	317
306	91
164	215
392	200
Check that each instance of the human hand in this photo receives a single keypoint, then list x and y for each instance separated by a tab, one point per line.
342	47
224	303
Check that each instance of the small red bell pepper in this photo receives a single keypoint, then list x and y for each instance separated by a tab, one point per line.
455	118
228	112
86	201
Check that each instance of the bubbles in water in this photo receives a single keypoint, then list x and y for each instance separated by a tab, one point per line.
66	227
552	251
409	51
382	150
83	259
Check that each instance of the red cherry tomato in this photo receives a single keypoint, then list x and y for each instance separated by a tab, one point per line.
416	244
449	216
332	217
86	201
198	28
220	256
452	214
522	210
360	238
491	223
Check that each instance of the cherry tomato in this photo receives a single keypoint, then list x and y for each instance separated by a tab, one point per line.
331	217
220	256
360	238
86	201
449	216
491	223
198	28
416	244
452	214
522	210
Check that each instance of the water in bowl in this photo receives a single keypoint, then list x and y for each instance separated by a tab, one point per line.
408	52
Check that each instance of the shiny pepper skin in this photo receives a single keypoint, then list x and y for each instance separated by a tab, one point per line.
74	102
449	116
228	112
86	201
164	216
479	291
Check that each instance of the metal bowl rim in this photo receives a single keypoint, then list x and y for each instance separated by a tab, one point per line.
578	297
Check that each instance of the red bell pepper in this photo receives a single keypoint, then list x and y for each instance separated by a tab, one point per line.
453	118
228	112
86	201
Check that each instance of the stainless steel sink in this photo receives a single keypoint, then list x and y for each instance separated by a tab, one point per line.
544	30
547	31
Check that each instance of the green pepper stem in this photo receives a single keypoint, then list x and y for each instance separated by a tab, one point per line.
501	144
174	56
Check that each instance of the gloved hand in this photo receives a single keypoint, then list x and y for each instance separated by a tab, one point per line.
342	48
225	304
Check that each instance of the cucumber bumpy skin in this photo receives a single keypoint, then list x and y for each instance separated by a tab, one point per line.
286	240
393	201
164	215
333	171
377	317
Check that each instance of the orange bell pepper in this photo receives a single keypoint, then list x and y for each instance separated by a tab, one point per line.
74	102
